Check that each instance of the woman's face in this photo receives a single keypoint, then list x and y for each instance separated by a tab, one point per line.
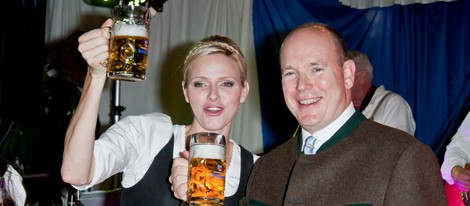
214	92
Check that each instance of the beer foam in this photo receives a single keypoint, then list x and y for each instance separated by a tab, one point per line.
130	30
207	151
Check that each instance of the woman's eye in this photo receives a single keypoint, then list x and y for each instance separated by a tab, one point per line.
228	84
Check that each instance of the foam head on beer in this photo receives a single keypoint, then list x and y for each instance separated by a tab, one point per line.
123	29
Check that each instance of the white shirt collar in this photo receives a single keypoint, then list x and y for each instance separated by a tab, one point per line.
326	133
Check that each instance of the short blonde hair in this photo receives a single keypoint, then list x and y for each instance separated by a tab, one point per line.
216	45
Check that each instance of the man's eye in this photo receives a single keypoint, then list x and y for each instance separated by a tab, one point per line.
316	69
288	74
228	84
198	84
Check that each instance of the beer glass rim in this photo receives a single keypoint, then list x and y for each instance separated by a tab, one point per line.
130	6
221	138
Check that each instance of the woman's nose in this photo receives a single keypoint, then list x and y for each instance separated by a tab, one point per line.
214	93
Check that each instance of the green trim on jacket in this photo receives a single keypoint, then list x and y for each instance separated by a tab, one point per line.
348	127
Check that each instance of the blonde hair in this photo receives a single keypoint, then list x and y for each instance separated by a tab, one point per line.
216	45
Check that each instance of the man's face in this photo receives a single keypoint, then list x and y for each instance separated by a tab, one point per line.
316	85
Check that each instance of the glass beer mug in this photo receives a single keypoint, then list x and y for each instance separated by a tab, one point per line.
129	43
206	181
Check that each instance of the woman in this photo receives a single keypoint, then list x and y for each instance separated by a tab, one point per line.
143	147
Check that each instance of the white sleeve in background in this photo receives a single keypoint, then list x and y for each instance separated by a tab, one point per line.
14	186
457	151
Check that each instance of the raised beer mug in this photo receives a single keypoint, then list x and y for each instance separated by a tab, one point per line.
129	43
206	181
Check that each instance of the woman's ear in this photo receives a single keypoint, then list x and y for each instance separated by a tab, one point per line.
245	91
185	92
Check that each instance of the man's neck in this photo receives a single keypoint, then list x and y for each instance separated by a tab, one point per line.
367	98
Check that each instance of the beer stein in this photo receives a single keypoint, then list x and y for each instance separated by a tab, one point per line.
206	182
129	43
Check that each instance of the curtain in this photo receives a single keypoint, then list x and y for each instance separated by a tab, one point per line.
361	4
419	51
173	31
63	18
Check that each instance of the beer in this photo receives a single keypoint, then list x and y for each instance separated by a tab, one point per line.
206	184
128	53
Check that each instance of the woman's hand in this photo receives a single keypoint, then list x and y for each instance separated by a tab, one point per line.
179	176
94	47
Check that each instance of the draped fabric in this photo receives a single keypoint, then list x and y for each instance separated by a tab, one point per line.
420	51
361	4
63	18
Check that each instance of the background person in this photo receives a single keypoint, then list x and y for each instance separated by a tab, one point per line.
355	160
142	147
12	191
455	167
377	103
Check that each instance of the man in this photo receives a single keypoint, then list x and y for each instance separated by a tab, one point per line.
356	160
378	104
456	166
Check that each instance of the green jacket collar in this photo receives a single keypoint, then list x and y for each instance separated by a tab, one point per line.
342	133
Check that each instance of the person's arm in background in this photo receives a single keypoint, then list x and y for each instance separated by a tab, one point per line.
456	156
12	190
78	162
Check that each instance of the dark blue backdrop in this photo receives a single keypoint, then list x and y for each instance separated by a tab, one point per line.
421	51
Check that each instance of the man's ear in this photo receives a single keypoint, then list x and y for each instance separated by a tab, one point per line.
349	69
